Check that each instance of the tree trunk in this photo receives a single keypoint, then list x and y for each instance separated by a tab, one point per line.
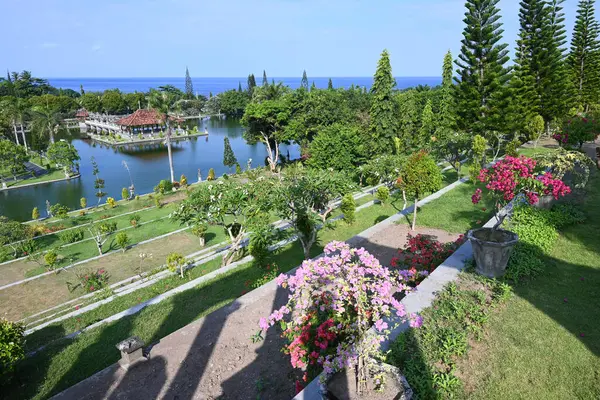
15	131
404	198
99	245
170	152
414	221
202	241
51	135
306	250
24	139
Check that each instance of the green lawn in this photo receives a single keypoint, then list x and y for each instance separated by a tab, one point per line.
545	344
50	176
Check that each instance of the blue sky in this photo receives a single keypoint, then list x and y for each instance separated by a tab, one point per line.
231	38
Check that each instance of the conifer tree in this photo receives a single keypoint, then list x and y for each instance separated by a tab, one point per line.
189	87
240	87
313	86
229	159
265	81
330	84
251	84
539	85
304	81
445	116
584	57
383	123
427	126
481	90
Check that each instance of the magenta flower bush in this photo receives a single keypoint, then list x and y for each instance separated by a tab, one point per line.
337	311
513	176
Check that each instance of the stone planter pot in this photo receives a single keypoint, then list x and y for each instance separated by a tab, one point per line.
342	386
546	202
491	250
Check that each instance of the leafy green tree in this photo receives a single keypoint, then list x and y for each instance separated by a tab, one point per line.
12	232
100	233
229	204
409	121
112	102
176	263
584	57
164	102
64	154
419	176
12	158
46	121
229	159
134	101
233	103
91	102
189	86
340	147
481	88
383	194
303	198
17	111
12	348
35	214
383	124
304	81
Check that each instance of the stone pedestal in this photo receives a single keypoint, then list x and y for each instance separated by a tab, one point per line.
131	352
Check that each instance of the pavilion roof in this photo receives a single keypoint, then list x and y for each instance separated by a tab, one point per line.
140	118
82	112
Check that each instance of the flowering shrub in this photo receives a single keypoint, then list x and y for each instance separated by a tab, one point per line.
513	176
94	281
333	302
576	132
421	256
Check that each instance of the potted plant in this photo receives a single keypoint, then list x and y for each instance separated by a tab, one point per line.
507	179
335	320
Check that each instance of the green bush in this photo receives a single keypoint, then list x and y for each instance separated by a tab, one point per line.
59	211
164	186
124	193
511	148
134	220
199	230
348	208
211	175
383	194
35	214
262	236
83	202
158	201
71	236
51	259
12	344
122	240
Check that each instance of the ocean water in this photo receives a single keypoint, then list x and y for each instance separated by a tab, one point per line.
204	86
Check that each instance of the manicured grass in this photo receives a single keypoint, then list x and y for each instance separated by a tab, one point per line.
546	343
50	176
533	151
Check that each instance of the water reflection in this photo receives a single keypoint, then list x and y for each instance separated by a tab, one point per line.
148	165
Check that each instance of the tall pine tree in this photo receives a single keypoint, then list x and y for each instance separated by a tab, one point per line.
229	159
239	87
383	123
481	90
539	81
189	87
330	84
584	60
251	84
427	126
304	81
265	81
445	117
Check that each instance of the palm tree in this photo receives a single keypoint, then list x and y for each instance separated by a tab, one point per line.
164	102
46	121
17	112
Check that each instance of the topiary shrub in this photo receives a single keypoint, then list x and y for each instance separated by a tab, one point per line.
199	230
176	263
35	214
122	240
12	344
348	208
511	148
71	236
238	169
83	202
124	193
211	175
383	194
183	181
164	186
51	259
111	202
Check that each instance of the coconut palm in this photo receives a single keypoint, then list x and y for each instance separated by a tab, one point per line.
17	112
46	121
164	102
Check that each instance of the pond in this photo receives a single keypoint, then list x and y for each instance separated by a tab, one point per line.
147	165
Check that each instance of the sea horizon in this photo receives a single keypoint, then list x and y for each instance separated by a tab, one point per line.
207	85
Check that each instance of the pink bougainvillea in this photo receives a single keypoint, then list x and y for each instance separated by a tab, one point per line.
334	301
513	176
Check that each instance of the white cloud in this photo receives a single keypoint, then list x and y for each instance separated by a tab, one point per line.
49	45
97	47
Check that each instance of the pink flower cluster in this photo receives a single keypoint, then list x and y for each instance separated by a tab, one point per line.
333	302
562	137
515	175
